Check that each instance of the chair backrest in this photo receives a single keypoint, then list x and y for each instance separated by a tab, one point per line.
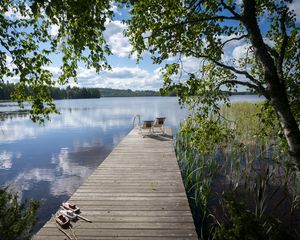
148	124
160	121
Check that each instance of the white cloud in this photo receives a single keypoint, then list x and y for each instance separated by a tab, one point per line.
240	51
14	13
54	29
191	64
56	71
115	9
5	160
296	7
119	44
134	78
8	60
71	174
21	127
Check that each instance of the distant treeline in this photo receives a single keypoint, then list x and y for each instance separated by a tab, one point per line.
71	93
109	92
6	89
74	92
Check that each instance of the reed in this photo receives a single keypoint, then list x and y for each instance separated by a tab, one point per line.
239	180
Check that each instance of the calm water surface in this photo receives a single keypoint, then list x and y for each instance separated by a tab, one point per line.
50	162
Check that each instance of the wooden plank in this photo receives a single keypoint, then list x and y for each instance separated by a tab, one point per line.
118	237
135	219
92	211
123	232
136	193
127	225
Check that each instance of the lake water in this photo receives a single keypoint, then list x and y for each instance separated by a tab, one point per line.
50	162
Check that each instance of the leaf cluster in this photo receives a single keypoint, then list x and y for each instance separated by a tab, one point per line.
207	32
244	225
240	180
16	219
27	44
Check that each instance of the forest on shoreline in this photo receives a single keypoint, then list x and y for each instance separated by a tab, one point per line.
6	89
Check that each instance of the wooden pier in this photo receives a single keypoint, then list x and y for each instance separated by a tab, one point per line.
136	193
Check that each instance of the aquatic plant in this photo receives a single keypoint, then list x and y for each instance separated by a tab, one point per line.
234	168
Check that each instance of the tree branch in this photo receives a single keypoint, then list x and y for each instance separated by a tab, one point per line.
230	9
255	83
234	39
273	52
194	5
236	82
249	20
233	69
197	21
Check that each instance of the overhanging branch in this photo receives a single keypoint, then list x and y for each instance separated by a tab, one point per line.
234	39
255	83
236	82
203	19
230	9
273	52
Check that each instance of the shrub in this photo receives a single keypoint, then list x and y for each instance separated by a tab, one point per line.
16	219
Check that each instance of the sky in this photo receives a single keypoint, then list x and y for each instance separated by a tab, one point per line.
126	73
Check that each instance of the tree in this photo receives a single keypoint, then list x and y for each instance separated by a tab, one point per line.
189	28
16	219
26	45
203	30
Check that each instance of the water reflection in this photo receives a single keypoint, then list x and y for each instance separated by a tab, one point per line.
5	160
105	113
50	162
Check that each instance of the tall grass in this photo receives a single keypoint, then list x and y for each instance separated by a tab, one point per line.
241	183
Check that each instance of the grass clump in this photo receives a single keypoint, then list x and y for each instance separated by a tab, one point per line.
240	179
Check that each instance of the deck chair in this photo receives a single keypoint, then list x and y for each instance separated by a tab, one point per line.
146	128
159	125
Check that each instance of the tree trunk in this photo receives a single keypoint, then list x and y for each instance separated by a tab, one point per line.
276	88
288	123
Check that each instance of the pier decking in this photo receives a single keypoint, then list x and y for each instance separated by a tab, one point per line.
136	193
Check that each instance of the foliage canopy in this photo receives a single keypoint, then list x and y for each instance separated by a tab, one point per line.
180	29
207	30
26	45
17	219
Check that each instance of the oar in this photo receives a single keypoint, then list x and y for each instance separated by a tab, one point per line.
59	228
73	232
83	218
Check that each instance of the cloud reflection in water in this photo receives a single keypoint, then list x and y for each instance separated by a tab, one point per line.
52	161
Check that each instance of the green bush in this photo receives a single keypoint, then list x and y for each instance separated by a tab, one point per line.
16	219
242	224
233	153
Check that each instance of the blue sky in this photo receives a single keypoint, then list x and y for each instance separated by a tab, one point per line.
126	73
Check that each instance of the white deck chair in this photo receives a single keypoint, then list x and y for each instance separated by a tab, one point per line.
159	125
146	128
